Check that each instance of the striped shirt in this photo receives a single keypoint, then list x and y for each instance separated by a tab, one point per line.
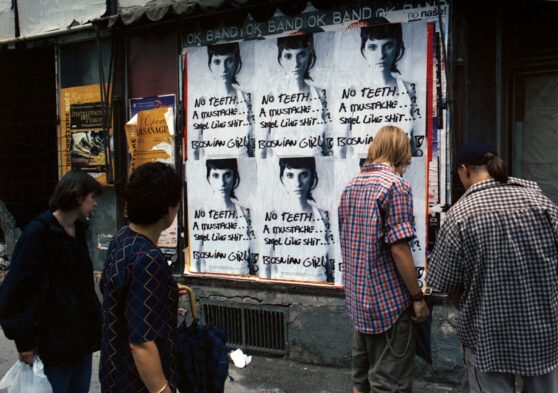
498	246
375	211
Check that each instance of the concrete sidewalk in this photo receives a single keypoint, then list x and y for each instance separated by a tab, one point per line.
262	375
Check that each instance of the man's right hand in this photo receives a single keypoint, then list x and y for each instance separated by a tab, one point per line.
27	357
420	311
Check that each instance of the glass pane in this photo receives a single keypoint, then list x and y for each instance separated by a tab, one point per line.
536	131
79	66
79	63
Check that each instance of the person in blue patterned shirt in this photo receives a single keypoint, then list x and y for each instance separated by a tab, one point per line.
496	256
140	296
381	286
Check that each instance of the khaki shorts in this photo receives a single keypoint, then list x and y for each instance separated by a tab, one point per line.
385	362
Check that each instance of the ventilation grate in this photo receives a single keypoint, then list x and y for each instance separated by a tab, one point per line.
251	327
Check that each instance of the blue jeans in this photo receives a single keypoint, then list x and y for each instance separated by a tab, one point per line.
71	379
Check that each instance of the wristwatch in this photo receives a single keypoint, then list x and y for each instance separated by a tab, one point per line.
418	297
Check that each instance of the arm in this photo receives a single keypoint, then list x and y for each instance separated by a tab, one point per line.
445	267
326	119
147	360
147	321
398	228
328	237
20	293
413	112
252	264
250	119
403	258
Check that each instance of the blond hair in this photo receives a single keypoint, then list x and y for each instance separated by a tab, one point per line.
391	144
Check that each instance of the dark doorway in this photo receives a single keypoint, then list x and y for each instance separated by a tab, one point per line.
530	65
28	134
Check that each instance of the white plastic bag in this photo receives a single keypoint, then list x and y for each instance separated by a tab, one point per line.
24	379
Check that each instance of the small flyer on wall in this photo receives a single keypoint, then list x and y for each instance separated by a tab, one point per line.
83	144
150	136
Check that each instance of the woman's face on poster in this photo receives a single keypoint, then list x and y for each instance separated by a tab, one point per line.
223	67
297	181
295	61
222	181
380	53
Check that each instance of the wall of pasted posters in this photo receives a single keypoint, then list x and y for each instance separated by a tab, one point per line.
276	127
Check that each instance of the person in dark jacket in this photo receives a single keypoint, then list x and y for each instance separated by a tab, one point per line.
48	304
140	296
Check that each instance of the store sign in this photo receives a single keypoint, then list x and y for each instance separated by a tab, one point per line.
275	128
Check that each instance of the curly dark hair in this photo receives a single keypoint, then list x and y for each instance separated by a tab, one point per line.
152	189
72	186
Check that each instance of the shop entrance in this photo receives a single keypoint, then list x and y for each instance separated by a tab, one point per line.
28	153
530	58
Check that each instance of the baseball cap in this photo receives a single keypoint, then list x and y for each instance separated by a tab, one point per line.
474	153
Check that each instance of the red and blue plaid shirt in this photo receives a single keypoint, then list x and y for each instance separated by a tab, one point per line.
375	211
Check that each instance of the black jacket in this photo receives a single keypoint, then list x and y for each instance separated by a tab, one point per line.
48	299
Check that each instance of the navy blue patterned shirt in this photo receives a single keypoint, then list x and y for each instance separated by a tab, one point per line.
140	303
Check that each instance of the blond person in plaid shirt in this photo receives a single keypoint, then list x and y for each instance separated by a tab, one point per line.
497	257
381	287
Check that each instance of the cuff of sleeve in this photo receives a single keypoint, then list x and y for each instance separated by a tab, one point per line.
399	232
24	344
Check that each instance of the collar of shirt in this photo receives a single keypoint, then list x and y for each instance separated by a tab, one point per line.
378	167
490	183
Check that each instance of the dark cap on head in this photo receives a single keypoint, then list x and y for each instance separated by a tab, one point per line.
474	153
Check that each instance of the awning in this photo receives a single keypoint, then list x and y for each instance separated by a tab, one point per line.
130	11
45	17
7	20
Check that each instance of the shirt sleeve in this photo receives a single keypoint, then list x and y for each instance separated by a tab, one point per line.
20	292
148	297
445	268
399	218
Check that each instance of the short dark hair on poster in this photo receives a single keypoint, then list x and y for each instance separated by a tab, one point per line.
72	186
152	189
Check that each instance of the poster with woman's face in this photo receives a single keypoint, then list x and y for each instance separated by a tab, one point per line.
278	127
294	224
291	106
220	218
383	83
219	103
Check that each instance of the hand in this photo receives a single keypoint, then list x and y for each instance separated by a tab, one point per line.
420	311
27	356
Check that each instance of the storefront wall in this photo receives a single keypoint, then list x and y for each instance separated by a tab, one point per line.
318	329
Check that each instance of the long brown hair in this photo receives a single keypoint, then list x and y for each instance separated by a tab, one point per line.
391	144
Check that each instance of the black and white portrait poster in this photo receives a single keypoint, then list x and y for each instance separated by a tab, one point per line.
220	215
276	128
292	116
219	103
294	225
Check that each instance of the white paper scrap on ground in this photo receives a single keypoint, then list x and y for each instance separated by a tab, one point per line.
240	359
